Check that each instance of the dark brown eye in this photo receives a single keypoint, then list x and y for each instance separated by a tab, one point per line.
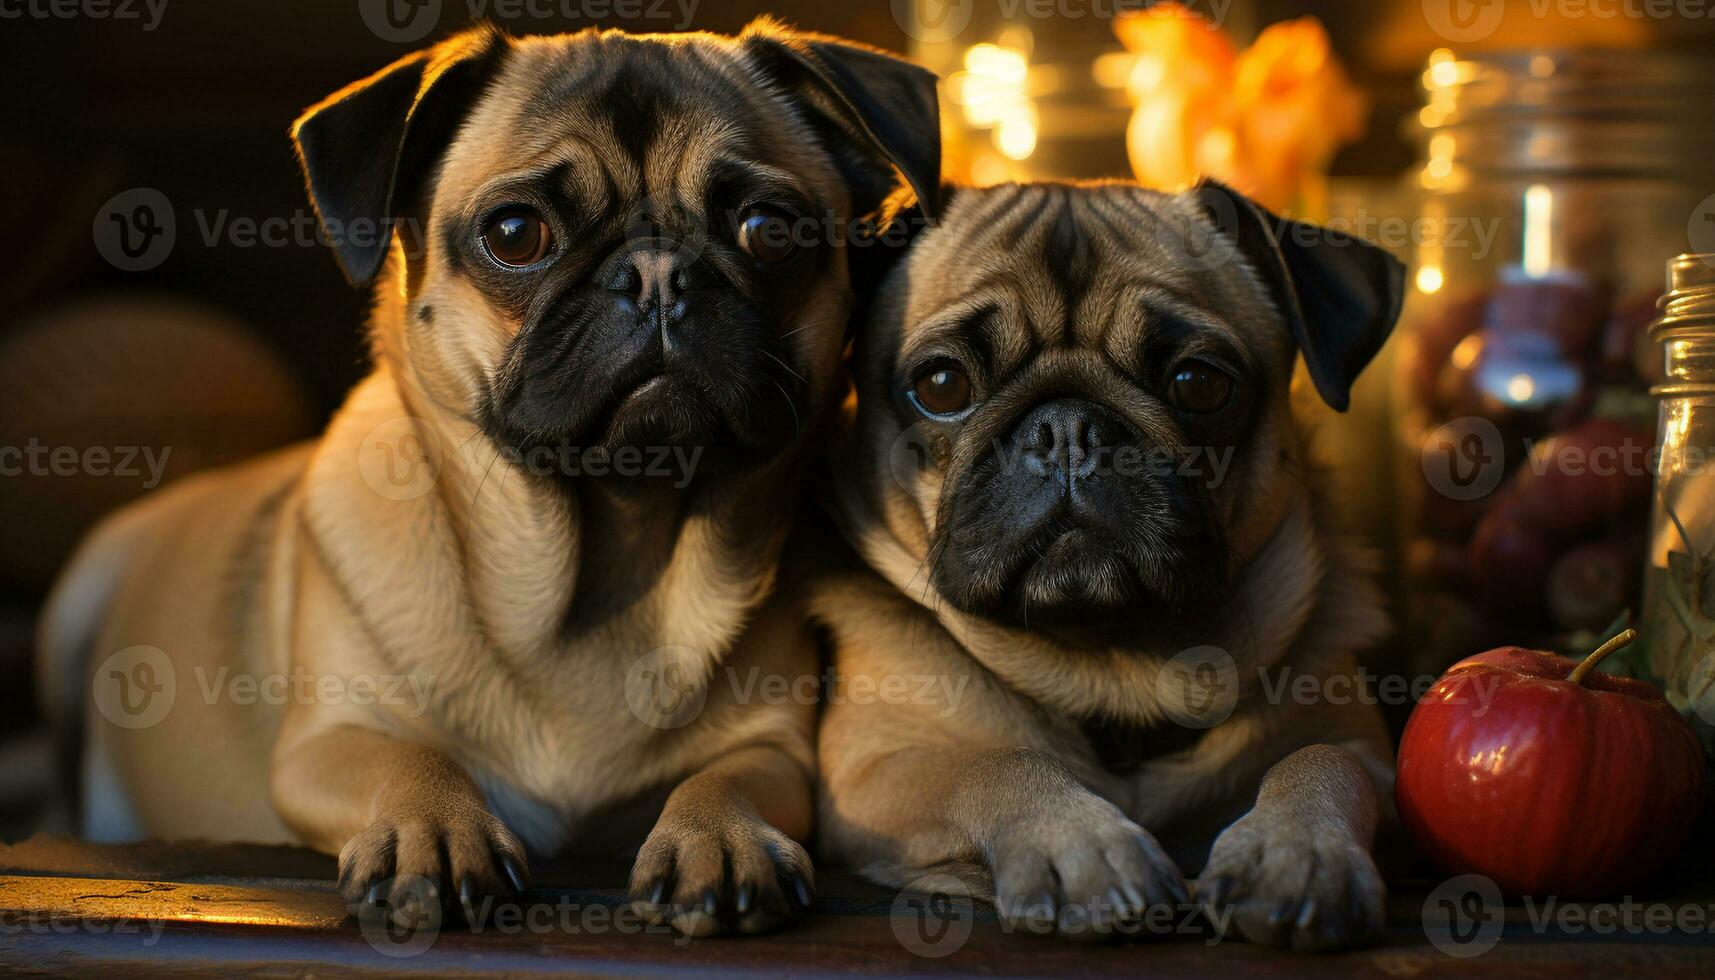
517	237
1200	389
766	236
942	392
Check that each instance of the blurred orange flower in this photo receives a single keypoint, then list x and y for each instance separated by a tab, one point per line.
1267	120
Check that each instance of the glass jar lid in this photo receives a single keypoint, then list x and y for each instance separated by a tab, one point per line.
1582	112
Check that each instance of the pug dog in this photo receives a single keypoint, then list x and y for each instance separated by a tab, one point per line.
1088	525
594	250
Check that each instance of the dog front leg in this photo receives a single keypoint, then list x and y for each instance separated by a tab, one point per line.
409	825
1297	869
725	854
1013	825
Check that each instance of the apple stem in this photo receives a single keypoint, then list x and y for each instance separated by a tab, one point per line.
1620	639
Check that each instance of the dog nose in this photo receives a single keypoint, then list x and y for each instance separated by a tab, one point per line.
656	281
1066	440
655	278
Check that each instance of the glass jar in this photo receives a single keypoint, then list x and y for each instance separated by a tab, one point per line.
1678	626
1554	185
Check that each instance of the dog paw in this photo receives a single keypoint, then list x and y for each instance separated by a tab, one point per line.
722	876
1083	874
1289	884
401	866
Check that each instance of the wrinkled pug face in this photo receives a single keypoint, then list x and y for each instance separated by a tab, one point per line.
628	240
1076	397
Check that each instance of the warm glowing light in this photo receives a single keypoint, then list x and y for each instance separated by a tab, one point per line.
1444	74
1112	70
1016	134
1466	353
1429	279
1538	231
994	93
1520	388
989	169
1542	66
997	63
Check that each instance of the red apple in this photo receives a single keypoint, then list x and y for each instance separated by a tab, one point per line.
1547	777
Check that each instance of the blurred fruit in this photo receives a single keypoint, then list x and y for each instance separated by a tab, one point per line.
1592	583
1584	478
1509	558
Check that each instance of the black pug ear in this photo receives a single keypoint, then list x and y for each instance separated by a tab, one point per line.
882	106
366	149
1339	294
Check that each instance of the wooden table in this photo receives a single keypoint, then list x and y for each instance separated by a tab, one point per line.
151	909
